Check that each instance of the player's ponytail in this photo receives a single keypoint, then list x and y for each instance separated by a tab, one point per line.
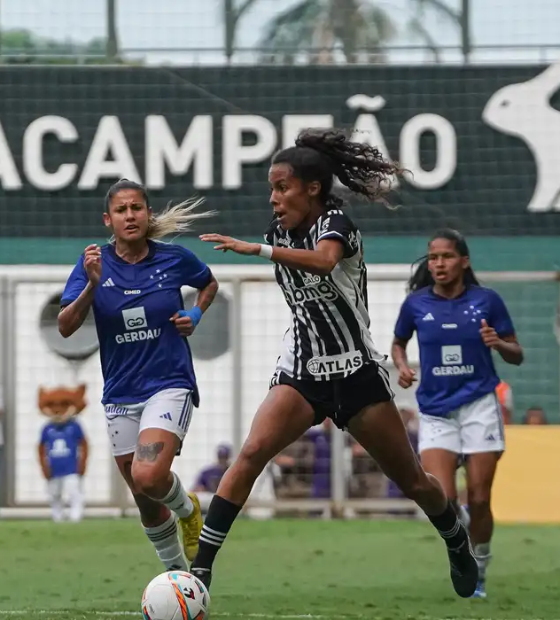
173	220
421	276
176	219
321	154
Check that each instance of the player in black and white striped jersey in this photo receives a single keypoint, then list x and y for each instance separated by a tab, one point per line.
329	366
329	334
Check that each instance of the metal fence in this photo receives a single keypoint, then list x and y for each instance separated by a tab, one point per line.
235	351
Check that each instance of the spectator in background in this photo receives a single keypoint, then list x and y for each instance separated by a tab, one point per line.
504	395
535	416
294	467
320	438
367	479
209	478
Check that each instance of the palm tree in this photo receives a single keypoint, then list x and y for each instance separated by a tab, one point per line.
324	25
457	19
232	14
112	47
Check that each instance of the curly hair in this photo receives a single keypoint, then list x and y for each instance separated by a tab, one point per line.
421	276
320	154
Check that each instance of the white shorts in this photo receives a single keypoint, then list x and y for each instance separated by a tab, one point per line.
170	410
476	427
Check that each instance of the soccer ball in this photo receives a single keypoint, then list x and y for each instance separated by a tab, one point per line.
175	595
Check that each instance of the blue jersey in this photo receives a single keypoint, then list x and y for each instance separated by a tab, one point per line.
62	442
142	352
456	366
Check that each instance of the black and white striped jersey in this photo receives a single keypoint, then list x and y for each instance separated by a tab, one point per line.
329	334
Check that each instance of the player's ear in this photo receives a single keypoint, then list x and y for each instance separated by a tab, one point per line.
107	220
313	188
465	262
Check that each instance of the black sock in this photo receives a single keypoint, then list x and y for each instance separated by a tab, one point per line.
449	527
221	515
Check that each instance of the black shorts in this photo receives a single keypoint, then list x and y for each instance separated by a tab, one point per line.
342	399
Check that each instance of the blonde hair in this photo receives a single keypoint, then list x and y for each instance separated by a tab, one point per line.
176	219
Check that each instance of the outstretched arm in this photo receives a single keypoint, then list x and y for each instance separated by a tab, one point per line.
321	261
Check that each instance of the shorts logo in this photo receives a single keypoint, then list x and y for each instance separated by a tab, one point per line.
135	318
114	411
334	364
451	355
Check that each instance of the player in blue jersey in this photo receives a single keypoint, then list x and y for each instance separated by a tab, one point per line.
133	286
329	366
458	324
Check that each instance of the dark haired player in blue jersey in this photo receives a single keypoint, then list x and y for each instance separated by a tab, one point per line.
133	285
458	323
329	365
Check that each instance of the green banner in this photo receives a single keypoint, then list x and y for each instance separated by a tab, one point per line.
480	142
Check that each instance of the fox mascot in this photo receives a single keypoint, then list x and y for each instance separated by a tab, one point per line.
63	449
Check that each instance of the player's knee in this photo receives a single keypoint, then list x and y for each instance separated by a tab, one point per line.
149	479
479	501
416	486
253	455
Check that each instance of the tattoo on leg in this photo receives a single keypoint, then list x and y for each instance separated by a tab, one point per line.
148	451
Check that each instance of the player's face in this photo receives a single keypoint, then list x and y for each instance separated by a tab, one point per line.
290	197
128	215
444	262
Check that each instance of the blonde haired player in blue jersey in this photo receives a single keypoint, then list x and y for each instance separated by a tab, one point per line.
133	284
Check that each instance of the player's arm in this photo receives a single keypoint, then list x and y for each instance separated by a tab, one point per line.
207	294
321	261
404	329
498	332
508	346
83	453
196	274
72	316
79	292
338	239
43	460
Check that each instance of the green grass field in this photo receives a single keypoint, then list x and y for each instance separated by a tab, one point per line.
278	569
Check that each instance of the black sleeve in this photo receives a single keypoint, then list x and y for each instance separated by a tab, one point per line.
339	226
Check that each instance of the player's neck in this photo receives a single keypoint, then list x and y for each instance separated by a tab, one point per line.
132	252
450	291
314	214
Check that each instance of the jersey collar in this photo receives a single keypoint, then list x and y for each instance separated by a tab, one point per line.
152	248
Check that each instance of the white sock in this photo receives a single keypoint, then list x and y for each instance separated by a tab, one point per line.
177	499
165	539
483	556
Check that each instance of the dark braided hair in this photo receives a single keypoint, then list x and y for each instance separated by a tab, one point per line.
321	154
422	276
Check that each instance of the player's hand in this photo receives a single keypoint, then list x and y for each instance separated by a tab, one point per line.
489	335
235	245
184	324
92	263
407	377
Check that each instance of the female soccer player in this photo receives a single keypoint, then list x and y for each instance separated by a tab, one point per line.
329	366
458	323
133	285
